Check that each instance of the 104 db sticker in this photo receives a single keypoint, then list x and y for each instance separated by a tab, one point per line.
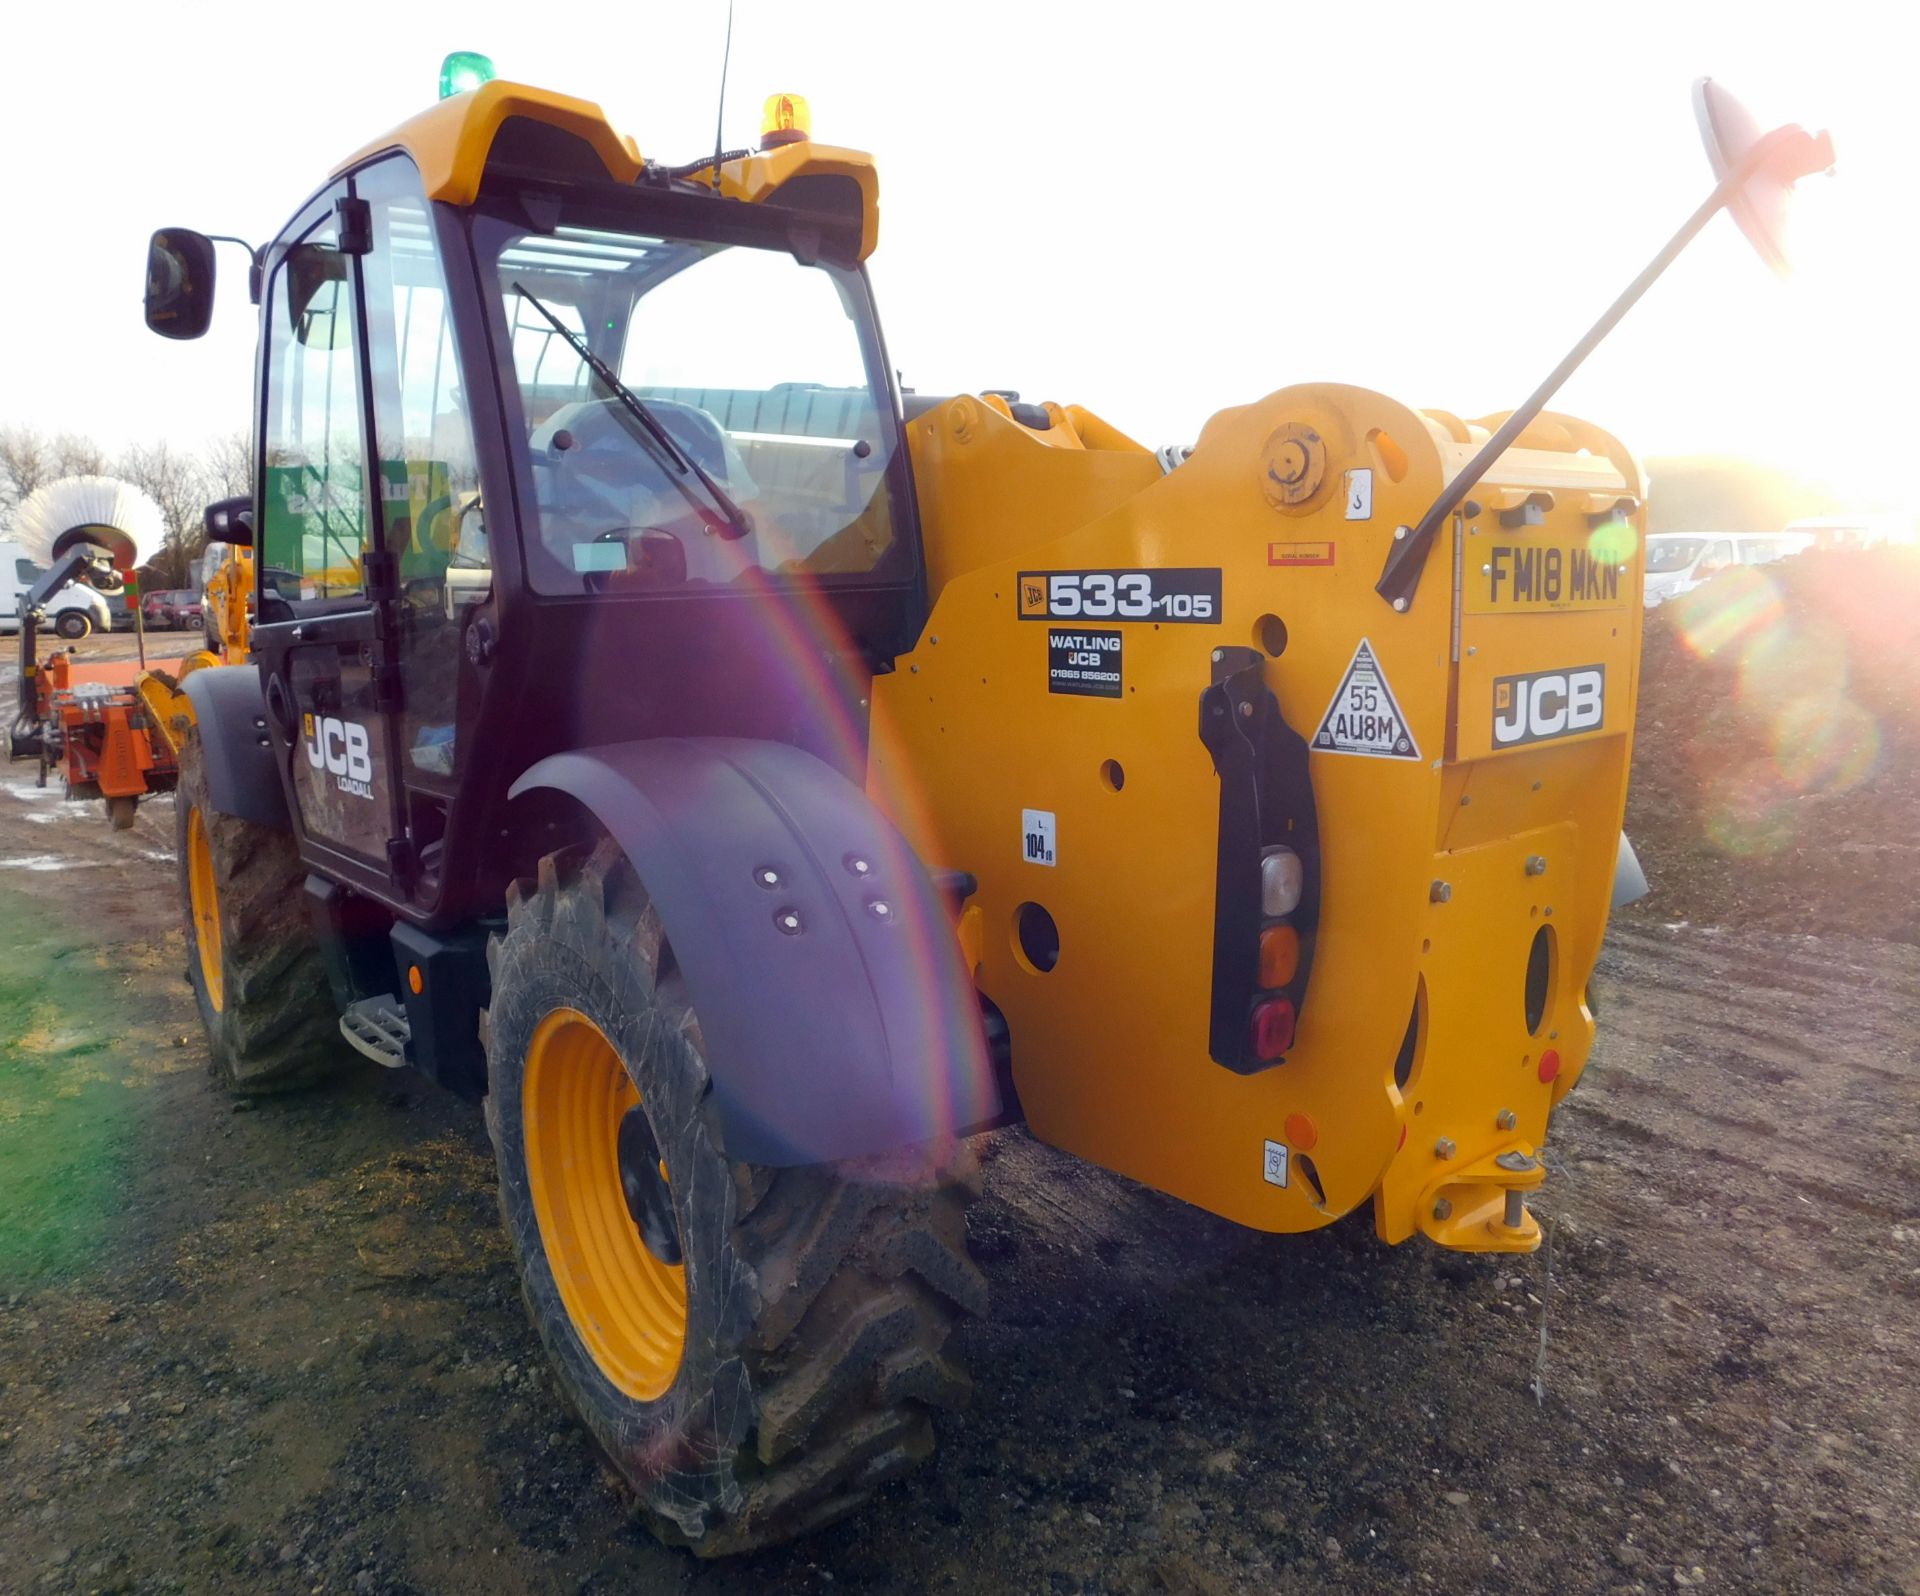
1164	594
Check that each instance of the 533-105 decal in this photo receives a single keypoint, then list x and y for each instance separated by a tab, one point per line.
1187	593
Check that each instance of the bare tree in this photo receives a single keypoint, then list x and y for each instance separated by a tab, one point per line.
182	483
76	456
30	460
227	461
177	483
25	463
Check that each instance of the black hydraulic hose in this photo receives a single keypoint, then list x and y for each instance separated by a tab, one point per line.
716	160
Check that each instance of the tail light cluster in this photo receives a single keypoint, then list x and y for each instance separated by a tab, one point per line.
1267	877
1282	877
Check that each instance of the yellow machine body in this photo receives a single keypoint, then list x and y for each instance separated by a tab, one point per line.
1438	870
1418	1079
225	598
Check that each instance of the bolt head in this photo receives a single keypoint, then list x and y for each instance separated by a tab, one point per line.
1440	892
1442	1209
1444	1148
1536	865
767	876
1507	1120
880	909
1400	604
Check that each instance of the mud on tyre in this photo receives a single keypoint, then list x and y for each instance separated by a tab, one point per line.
253	959
756	1349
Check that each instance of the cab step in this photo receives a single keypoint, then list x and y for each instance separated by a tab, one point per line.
377	1027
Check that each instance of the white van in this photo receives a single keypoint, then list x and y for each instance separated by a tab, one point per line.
70	615
1678	562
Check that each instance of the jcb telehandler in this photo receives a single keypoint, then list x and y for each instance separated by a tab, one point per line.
750	778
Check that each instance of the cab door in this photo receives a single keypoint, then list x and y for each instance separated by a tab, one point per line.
321	637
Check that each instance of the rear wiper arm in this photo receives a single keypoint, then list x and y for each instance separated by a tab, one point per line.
739	523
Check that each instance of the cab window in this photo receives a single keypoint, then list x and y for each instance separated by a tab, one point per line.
745	371
434	519
315	520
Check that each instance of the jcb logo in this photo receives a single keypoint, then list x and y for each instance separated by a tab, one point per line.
343	749
1547	704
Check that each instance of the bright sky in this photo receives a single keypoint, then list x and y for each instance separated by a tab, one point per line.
1156	211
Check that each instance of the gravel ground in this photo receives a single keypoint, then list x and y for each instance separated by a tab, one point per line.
280	1347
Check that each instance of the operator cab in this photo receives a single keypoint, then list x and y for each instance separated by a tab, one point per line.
558	448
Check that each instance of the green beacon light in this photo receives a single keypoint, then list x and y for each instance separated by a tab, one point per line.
464	70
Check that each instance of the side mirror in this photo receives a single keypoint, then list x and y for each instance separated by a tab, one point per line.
1774	162
231	521
179	283
316	296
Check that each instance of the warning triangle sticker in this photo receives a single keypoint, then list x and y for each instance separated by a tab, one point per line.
1364	717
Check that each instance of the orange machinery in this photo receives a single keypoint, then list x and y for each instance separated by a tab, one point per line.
101	733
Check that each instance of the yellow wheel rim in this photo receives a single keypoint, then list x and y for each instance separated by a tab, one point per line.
203	899
628	1307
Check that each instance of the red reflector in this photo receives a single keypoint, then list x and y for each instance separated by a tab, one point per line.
1272	1029
1549	1065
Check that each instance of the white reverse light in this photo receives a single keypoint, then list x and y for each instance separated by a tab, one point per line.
1280	882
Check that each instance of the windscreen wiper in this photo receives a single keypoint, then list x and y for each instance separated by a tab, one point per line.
653	433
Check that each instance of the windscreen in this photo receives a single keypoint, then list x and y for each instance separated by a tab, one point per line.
740	423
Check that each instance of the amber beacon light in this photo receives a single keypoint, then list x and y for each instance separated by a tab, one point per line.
785	119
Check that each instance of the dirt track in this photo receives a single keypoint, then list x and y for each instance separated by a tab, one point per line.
281	1348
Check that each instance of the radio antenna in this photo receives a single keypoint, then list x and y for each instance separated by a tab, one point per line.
720	116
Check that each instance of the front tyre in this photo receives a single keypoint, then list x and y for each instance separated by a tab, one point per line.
73	624
756	1349
253	959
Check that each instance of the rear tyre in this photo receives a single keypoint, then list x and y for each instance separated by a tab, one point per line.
253	959
73	624
757	1350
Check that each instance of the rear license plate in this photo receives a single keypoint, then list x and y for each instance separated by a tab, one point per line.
1553	572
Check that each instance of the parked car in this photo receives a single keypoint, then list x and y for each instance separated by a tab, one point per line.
1678	562
170	608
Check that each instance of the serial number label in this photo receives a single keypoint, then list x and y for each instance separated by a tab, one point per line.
1163	594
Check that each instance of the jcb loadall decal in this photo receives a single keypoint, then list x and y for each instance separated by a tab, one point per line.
1364	717
343	749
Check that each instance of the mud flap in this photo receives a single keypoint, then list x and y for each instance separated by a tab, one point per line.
229	708
837	1017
